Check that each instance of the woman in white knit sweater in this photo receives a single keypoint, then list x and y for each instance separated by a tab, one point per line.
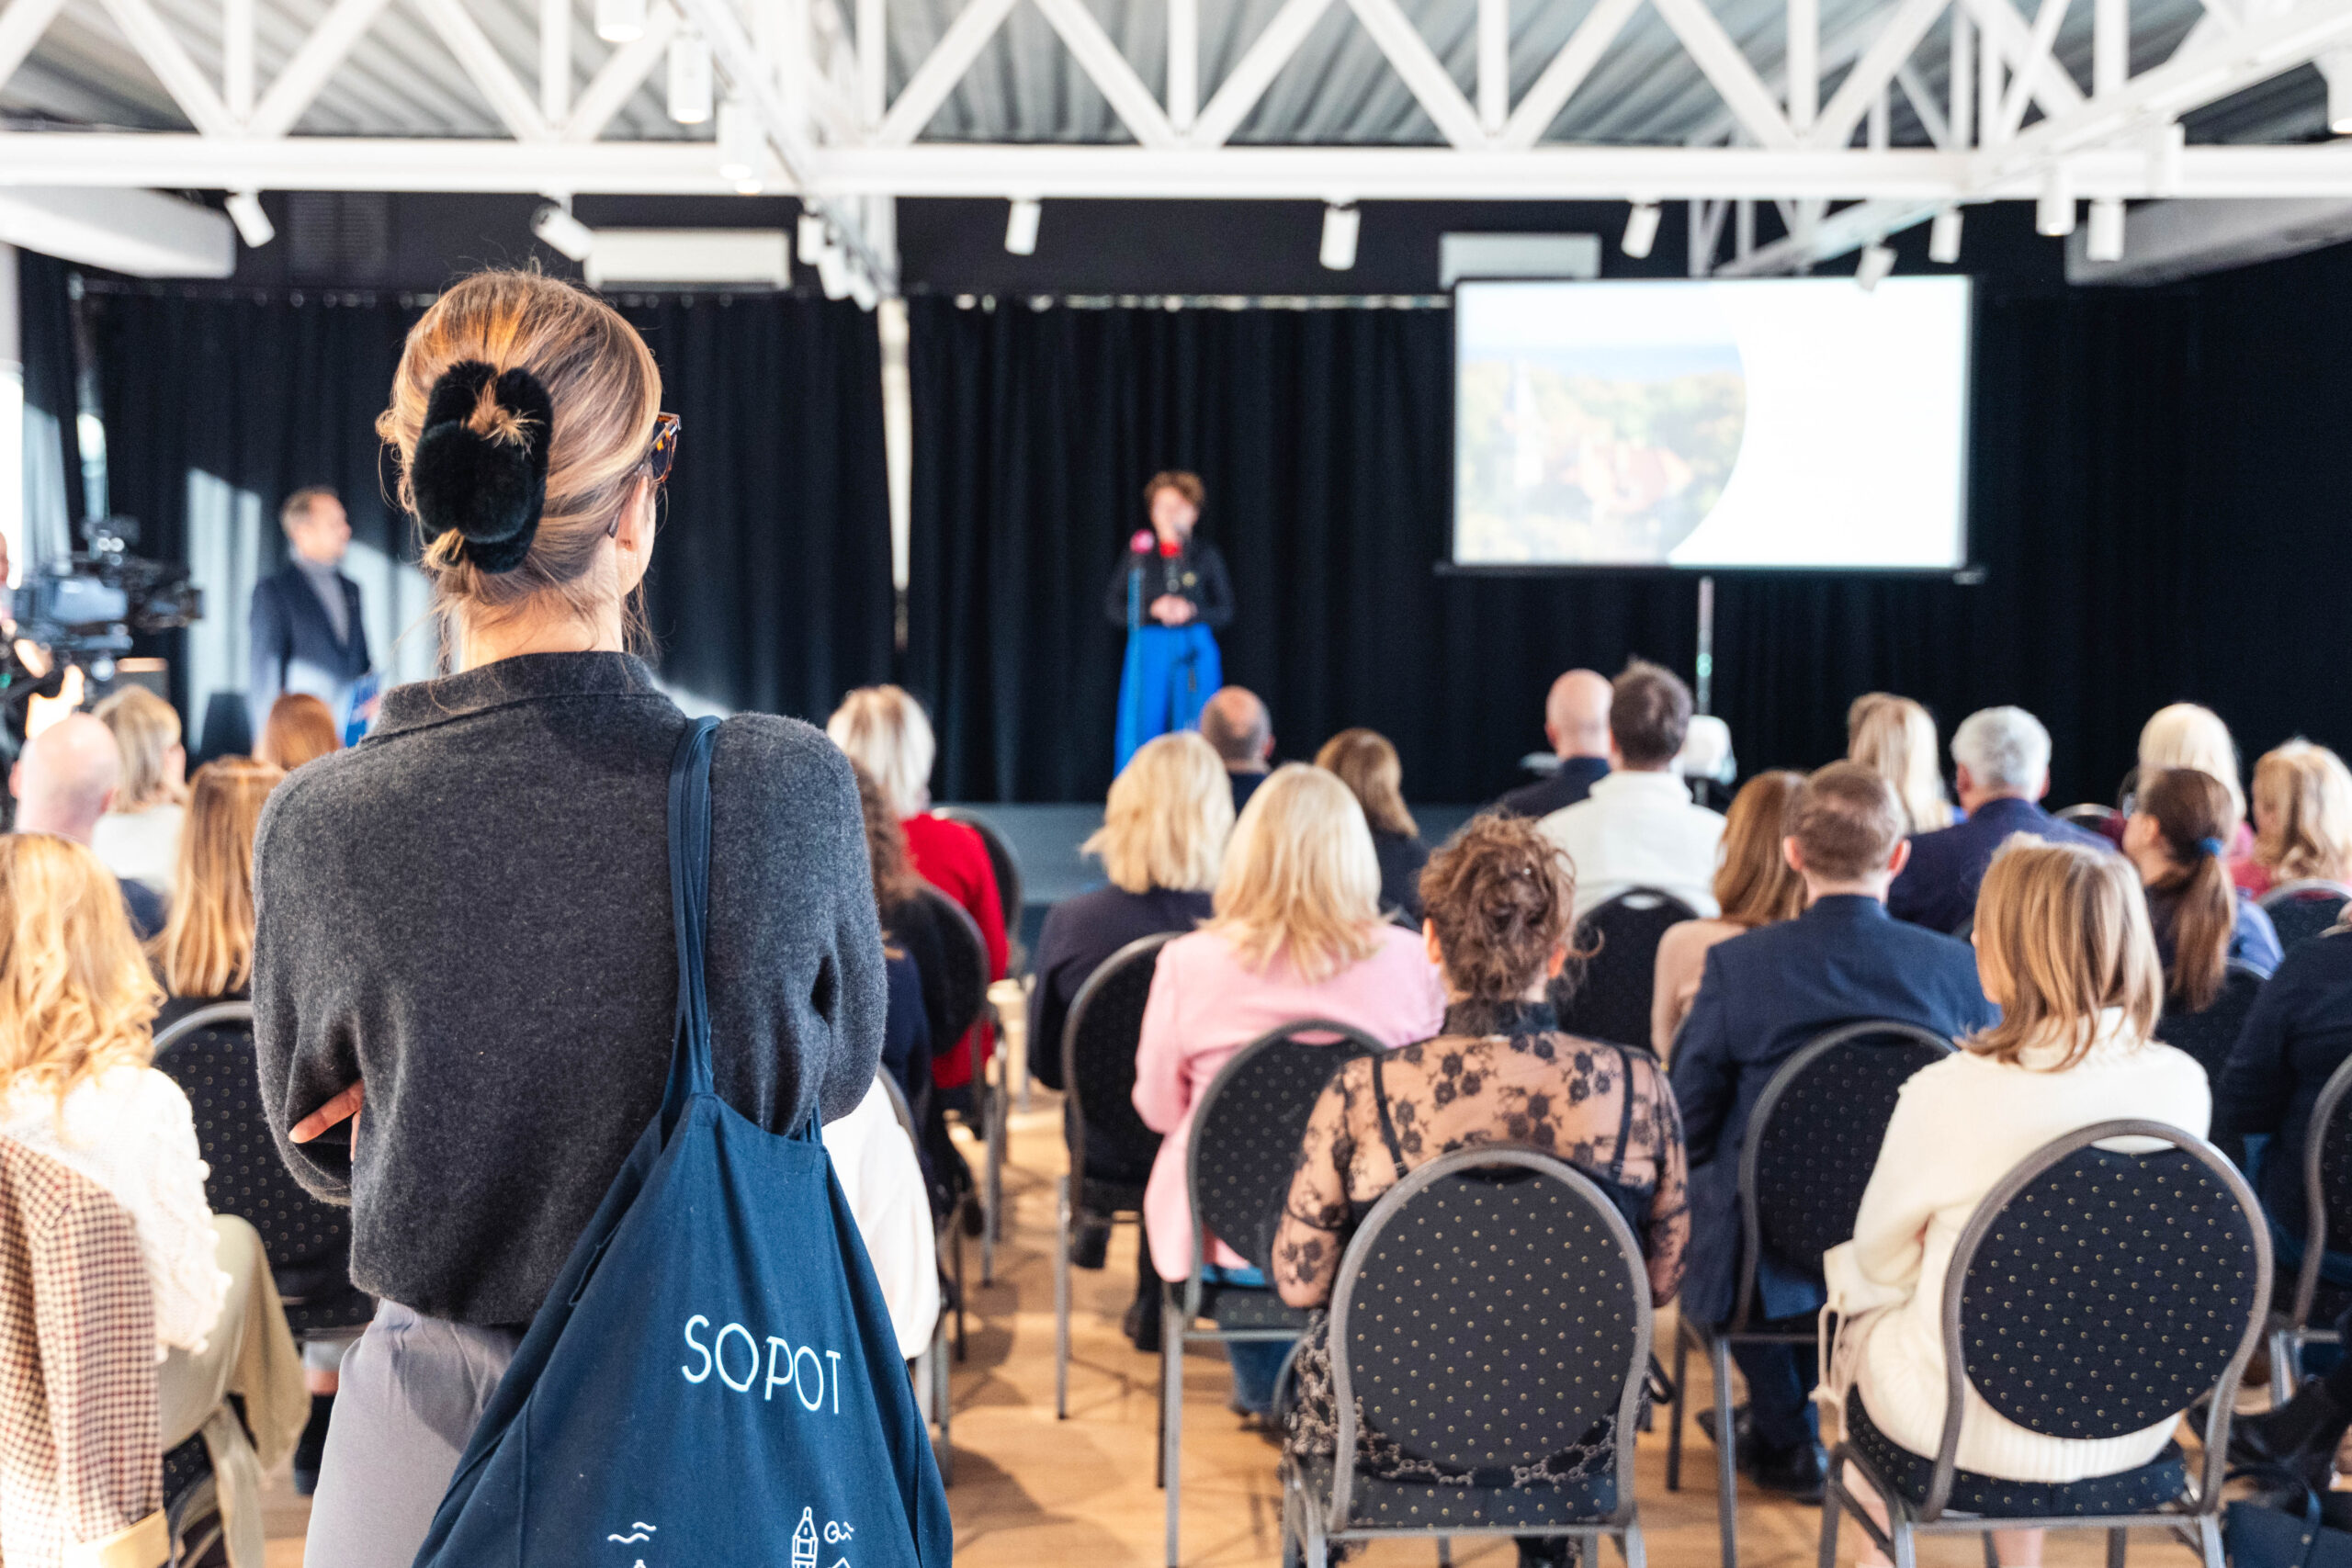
2063	947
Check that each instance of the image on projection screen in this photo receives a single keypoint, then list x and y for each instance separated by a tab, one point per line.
1784	423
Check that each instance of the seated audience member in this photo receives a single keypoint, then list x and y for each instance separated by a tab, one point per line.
1500	898
2302	819
300	728
885	732
139	837
1637	828
883	1181
1236	725
1755	886
917	1010
64	781
2002	757
2064	951
1367	765
1161	840
1762	996
1296	934
1575	722
2175	839
1895	738
2183	735
2297	1036
75	1007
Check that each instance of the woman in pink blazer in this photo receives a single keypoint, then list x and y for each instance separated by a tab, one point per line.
1296	934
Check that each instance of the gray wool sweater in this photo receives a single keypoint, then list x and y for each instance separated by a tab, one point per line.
469	911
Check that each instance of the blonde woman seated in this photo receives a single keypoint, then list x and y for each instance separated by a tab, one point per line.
1895	738
1296	934
1500	896
1756	885
138	837
2302	819
2064	950
2183	735
75	1003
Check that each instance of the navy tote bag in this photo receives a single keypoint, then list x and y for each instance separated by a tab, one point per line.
713	1382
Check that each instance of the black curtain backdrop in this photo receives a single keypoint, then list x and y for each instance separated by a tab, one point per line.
53	450
771	587
2155	500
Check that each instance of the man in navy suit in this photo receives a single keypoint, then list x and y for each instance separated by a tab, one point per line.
2002	759
1761	997
306	633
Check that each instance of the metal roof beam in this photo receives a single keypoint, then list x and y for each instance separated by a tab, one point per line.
617	80
1255	71
21	24
944	66
480	59
1887	54
170	62
1551	90
1109	70
305	75
1426	77
1735	79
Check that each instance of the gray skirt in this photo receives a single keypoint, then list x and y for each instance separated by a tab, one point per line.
412	1389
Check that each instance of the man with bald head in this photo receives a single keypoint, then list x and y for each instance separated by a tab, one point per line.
1236	725
63	782
1576	721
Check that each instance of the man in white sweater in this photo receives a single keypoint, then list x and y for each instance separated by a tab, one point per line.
1638	828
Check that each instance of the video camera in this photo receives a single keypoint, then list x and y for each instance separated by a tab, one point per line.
83	609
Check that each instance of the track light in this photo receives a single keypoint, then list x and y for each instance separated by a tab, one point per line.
1641	229
1943	237
1342	224
1878	260
2053	212
2336	68
253	224
620	21
863	290
563	232
834	271
2104	240
811	238
1021	226
689	77
741	147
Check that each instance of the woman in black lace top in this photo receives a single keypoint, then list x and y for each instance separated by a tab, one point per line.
1498	899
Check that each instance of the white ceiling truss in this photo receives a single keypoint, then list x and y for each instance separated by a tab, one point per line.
1903	107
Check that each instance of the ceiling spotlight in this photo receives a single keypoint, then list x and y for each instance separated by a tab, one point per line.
2053	212
620	21
2104	240
741	147
1342	224
1021	226
2335	66
1878	260
862	290
1943	237
833	268
563	232
812	240
1641	229
253	224
689	77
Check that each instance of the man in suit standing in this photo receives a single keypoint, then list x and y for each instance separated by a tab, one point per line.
2002	759
305	630
1762	996
1576	721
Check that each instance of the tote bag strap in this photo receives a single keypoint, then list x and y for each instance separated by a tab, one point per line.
690	1073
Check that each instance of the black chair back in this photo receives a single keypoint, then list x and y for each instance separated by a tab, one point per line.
1813	1140
2097	1292
2301	910
2209	1035
1248	1128
210	1053
1611	1000
963	963
1099	1044
1491	1311
2327	1185
1010	893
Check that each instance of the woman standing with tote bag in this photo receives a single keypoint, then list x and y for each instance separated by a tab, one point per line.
464	923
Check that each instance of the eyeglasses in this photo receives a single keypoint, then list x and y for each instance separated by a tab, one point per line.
664	450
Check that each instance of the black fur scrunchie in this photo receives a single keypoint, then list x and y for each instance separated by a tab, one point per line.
488	488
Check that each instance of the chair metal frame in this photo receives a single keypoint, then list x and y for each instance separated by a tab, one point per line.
2293	892
205	1016
1316	1529
2290	1334
2089	816
1715	1343
1907	1521
1071	1186
1624	900
1012	896
988	1089
1181	1305
929	1368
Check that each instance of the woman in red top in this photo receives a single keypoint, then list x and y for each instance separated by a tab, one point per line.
884	732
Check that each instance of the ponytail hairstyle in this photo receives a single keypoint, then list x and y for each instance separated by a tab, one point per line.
1502	898
522	414
2194	823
